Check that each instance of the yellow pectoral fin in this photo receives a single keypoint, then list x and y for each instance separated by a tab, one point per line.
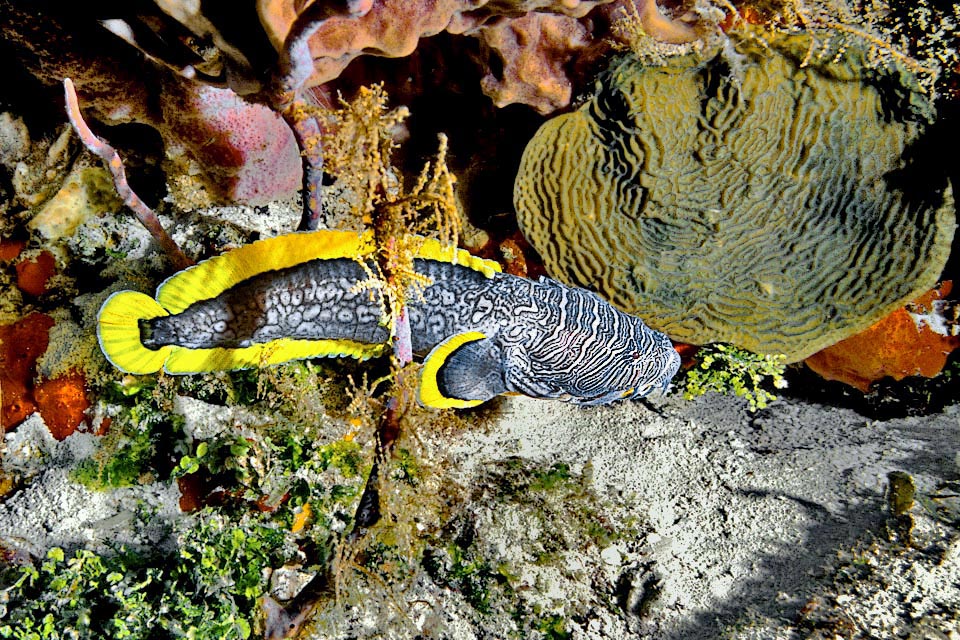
429	393
182	360
118	330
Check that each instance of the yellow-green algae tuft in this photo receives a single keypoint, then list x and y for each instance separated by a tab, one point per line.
747	199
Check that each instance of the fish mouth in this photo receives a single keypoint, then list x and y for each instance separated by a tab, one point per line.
608	397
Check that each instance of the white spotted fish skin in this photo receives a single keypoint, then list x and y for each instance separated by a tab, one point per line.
315	300
542	338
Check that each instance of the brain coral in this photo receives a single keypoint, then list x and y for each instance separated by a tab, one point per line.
753	207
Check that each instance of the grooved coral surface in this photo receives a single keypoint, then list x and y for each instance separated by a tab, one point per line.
760	211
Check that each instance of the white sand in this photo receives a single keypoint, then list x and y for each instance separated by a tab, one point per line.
745	517
749	510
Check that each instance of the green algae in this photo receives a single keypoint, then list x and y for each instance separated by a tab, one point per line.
139	429
726	369
206	590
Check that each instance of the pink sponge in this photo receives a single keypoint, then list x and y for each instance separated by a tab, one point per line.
247	151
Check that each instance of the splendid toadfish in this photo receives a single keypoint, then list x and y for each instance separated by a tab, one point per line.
483	332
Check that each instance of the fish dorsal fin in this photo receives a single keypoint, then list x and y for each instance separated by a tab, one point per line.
212	277
432	249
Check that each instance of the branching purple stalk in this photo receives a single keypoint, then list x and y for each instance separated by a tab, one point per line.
293	70
109	155
307	132
402	344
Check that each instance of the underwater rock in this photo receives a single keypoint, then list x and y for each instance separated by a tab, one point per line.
35	167
14	140
534	52
242	151
896	346
86	192
752	201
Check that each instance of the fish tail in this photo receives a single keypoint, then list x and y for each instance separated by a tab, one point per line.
119	333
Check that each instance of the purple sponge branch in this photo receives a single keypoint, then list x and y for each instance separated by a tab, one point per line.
293	69
306	130
109	155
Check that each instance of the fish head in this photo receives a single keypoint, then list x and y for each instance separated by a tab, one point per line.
629	364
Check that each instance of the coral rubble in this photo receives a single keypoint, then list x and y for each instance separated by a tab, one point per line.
747	199
85	192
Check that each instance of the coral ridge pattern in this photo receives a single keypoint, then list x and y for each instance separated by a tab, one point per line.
749	200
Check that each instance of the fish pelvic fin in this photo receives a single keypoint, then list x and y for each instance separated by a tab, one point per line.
463	371
118	331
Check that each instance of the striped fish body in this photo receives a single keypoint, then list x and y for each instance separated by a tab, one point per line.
539	338
483	332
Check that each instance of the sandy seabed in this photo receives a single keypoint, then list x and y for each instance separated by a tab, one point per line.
751	513
751	521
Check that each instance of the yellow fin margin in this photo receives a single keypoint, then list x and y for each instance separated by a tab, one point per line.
212	277
182	360
118	331
118	322
432	249
428	393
